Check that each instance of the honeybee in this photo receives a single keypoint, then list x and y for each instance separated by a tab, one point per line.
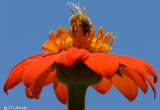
80	18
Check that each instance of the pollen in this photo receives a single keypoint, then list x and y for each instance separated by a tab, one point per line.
63	40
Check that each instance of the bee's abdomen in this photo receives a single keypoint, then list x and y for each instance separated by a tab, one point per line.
85	25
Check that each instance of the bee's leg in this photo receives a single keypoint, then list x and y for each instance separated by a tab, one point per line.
73	27
84	33
89	32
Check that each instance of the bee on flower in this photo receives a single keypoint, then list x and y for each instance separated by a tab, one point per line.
80	18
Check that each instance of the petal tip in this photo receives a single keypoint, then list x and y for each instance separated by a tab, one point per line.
149	80
154	96
5	90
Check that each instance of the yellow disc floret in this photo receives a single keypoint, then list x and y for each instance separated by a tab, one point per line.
63	40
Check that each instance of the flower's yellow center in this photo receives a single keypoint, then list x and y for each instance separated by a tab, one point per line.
63	40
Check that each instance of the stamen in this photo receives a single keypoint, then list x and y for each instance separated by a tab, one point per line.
68	43
100	48
90	40
85	41
97	42
69	32
59	32
79	36
106	38
51	35
112	40
62	39
100	32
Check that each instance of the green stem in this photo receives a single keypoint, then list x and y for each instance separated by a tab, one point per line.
77	78
76	97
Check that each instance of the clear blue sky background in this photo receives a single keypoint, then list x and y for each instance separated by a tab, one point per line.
24	27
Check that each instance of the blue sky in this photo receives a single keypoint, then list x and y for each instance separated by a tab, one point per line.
24	27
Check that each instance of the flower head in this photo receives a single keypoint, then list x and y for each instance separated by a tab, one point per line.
72	52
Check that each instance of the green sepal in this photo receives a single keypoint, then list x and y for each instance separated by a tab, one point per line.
77	75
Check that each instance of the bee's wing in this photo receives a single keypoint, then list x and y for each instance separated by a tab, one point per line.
74	9
82	9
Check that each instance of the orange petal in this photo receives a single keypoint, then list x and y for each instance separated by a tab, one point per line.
103	64
50	78
69	57
35	88
50	46
149	80
139	79
16	74
60	91
131	63
126	85
104	86
28	93
149	69
37	68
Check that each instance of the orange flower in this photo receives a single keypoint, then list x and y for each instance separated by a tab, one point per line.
71	52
